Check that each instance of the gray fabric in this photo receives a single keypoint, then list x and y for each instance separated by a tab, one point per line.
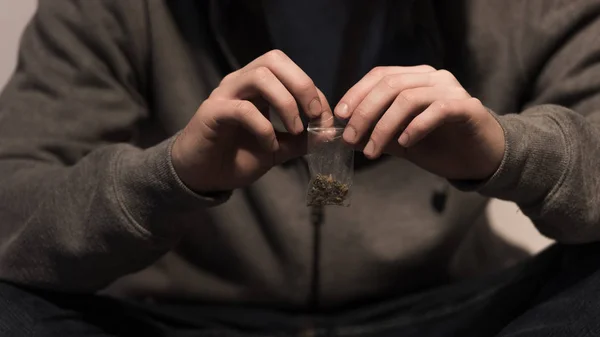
88	195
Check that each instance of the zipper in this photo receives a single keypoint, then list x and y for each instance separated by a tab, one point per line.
317	213
317	216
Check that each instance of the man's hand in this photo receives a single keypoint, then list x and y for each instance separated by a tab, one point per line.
425	116
230	142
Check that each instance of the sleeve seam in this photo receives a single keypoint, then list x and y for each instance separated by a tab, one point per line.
115	167
182	185
568	167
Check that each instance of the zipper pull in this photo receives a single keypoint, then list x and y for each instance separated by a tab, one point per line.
439	198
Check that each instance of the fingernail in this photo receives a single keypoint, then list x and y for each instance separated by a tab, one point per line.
342	110
349	134
275	145
298	126
370	148
315	107
403	140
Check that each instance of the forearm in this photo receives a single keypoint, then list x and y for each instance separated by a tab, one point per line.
79	228
551	169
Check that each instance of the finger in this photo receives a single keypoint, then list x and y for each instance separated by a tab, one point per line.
290	147
246	115
390	148
359	91
325	119
444	77
368	112
324	102
326	109
436	115
293	78
263	82
408	104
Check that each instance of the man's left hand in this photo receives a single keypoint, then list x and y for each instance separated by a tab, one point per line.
425	116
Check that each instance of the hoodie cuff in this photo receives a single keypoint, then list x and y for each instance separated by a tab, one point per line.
151	193
535	159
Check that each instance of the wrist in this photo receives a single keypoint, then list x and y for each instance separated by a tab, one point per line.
188	173
149	191
530	168
497	141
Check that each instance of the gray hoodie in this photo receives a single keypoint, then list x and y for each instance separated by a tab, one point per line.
89	200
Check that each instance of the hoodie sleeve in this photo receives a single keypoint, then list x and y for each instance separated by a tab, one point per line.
551	167
79	206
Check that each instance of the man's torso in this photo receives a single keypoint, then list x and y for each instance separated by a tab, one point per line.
258	247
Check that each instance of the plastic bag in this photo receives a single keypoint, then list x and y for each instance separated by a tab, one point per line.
330	162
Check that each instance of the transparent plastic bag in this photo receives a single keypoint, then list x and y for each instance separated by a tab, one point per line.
330	162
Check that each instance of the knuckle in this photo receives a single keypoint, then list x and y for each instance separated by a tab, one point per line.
266	131
209	102
262	74
443	106
205	105
445	73
447	77
305	85
217	92
464	93
208	113
392	81
381	131
227	78
475	101
289	104
409	99
378	71
361	113
408	96
211	105
459	93
224	81
275	55
243	108
416	128
474	106
426	67
446	107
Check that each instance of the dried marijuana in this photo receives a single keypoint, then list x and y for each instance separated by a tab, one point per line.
325	190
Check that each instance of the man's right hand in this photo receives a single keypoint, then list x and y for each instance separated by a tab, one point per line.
230	142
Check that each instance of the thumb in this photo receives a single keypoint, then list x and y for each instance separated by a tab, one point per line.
290	147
